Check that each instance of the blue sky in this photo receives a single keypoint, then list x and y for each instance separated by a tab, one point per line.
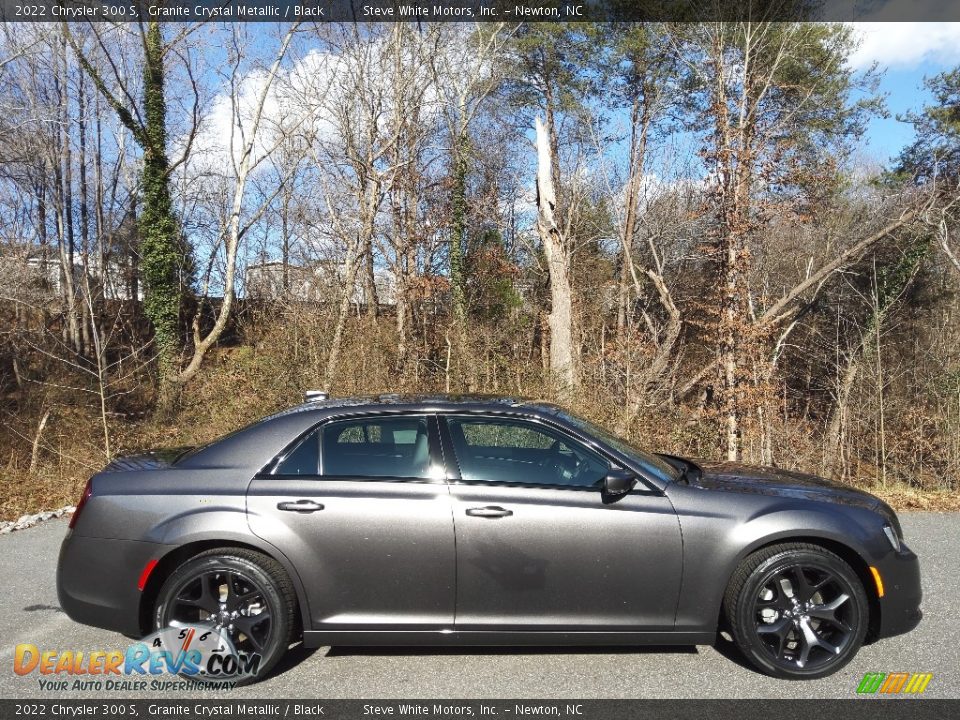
904	91
906	53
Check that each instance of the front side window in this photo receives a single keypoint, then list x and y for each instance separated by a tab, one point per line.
516	451
652	464
370	447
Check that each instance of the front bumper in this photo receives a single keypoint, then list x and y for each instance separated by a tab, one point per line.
97	581
900	605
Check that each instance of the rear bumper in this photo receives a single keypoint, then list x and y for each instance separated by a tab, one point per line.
900	605
97	581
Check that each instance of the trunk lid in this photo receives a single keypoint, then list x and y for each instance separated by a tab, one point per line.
147	460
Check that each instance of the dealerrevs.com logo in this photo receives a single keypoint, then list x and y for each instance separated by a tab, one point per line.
898	683
200	656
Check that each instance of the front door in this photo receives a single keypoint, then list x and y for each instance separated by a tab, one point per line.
539	549
360	508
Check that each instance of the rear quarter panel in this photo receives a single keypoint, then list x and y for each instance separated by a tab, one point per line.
201	500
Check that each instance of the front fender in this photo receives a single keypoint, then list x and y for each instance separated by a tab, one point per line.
721	529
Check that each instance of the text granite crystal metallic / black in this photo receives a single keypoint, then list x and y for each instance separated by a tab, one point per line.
482	521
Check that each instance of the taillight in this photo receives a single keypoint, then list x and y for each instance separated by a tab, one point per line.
87	492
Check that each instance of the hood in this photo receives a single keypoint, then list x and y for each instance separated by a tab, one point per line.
147	460
735	477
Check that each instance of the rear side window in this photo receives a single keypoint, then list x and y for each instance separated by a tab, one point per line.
304	459
396	447
376	447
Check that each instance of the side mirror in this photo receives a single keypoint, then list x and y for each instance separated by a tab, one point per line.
619	482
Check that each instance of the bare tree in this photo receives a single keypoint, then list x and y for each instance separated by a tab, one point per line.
557	251
355	155
245	157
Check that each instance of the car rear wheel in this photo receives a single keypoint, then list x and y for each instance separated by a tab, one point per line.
235	593
796	611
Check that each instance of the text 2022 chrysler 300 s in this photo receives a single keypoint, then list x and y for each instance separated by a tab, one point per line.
479	521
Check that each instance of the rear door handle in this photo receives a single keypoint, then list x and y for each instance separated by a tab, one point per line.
490	511
300	506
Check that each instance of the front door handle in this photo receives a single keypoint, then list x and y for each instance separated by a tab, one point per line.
300	506
490	511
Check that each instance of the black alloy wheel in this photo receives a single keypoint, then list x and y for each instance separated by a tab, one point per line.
797	611
234	592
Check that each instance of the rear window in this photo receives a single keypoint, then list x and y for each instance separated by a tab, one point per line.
396	447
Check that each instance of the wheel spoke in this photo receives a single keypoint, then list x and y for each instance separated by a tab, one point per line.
802	589
779	629
207	600
247	597
230	599
804	638
779	601
834	604
247	624
812	640
828	612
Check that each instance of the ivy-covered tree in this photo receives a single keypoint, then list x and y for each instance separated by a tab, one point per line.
165	256
467	66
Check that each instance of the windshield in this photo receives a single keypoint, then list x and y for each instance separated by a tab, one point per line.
652	464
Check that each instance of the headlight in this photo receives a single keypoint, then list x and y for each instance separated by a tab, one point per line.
892	537
891	528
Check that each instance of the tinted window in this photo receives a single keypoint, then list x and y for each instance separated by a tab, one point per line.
304	459
376	447
651	463
513	451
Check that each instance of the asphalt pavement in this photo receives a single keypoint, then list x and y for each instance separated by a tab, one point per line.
29	613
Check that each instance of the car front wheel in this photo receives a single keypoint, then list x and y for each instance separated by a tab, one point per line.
796	611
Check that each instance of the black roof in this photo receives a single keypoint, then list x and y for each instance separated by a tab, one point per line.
250	446
423	400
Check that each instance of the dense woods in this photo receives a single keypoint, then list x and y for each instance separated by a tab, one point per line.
671	229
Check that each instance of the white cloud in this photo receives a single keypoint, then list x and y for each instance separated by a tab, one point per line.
290	103
906	44
308	96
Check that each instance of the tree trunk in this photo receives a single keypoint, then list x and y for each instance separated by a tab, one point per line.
161	250
370	298
350	279
558	261
35	447
355	257
835	440
733	150
639	125
63	163
458	228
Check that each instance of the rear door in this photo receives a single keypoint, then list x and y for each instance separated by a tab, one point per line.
538	546
360	507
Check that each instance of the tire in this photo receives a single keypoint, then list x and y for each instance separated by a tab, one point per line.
251	575
796	611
